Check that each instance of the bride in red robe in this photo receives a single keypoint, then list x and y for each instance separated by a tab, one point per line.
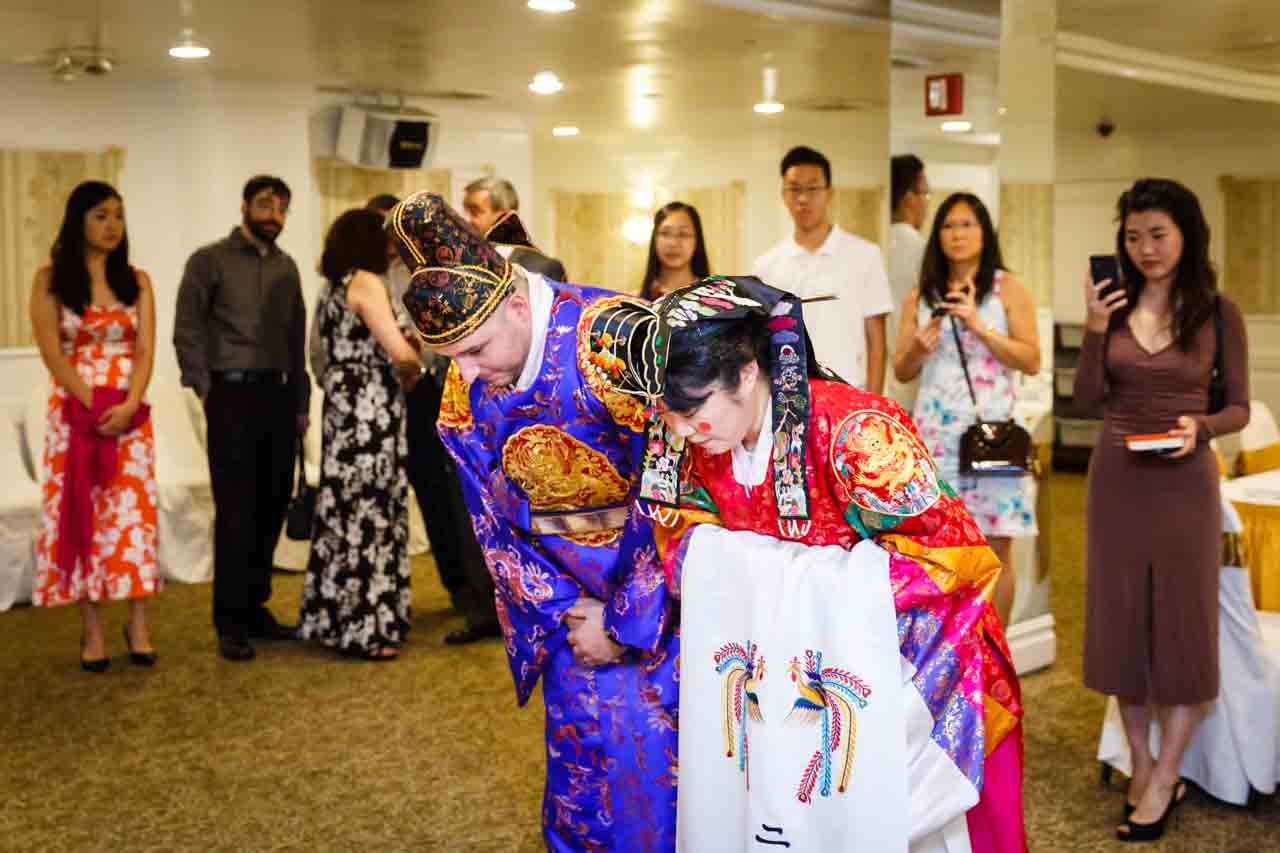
749	433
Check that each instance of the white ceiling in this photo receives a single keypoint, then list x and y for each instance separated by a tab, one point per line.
1237	34
1243	34
688	61
1136	106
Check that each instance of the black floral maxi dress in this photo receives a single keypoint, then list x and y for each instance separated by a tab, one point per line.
356	596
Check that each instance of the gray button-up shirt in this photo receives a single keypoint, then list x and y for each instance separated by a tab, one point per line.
241	309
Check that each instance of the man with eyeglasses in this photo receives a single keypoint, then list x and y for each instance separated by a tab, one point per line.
909	205
822	259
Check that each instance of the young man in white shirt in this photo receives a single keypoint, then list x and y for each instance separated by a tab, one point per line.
909	205
822	259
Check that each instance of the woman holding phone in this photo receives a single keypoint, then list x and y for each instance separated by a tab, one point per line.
1147	361
967	298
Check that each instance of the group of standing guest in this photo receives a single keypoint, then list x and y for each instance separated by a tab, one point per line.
240	335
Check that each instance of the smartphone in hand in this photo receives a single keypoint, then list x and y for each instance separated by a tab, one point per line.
1102	267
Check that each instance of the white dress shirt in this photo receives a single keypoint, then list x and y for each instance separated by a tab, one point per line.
540	299
848	267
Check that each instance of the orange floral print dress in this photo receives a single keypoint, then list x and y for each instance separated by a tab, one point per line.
122	559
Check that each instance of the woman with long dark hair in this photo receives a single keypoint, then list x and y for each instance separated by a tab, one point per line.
750	434
93	318
356	596
1154	520
969	312
677	253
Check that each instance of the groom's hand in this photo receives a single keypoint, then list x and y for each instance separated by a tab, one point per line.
591	645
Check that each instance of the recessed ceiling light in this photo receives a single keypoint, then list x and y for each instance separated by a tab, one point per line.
957	126
769	107
564	130
552	5
545	83
187	48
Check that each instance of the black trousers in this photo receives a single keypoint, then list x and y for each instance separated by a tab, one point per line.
434	478
251	439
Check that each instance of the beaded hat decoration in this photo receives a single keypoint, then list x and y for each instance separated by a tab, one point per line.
631	343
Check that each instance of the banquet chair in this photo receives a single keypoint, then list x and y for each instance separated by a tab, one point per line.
1259	442
185	495
20	514
1235	752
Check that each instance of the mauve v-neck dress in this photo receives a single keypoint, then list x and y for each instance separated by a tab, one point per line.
1154	524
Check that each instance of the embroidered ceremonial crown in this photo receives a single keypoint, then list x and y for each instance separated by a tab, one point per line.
459	280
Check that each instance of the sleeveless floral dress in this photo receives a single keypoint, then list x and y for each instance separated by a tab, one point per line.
1002	506
356	595
122	559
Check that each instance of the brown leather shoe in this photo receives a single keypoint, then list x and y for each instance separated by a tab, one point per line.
235	647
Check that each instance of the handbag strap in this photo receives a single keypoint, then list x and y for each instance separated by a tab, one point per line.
1217	342
302	468
964	364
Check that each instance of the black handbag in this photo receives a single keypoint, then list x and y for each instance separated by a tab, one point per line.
302	507
991	448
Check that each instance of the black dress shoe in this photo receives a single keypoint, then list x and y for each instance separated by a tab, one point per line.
269	629
100	665
1132	831
472	634
235	648
139	658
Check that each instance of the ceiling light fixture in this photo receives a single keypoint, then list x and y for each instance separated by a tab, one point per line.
187	48
564	130
770	105
552	6
545	83
957	126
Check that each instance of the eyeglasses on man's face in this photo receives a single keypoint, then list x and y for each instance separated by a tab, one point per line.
800	190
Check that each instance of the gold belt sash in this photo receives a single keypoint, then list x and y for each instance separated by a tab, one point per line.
583	521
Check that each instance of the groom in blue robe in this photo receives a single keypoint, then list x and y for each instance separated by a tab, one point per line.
549	456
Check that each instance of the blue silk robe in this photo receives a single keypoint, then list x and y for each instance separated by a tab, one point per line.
528	458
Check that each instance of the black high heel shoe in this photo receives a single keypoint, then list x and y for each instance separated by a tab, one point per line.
1138	832
99	665
139	658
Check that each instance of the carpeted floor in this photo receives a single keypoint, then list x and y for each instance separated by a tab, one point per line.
303	751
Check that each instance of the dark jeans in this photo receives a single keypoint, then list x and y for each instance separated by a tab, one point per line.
252	430
435	483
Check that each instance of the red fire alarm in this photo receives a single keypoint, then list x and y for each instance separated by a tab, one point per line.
944	95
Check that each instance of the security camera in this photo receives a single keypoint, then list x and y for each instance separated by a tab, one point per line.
99	65
1105	127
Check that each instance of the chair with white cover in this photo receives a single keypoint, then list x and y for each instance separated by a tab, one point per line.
185	496
21	510
1258	442
1236	749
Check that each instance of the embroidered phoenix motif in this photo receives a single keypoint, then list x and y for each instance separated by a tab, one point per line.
828	696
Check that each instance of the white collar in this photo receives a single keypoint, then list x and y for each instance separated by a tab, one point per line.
827	247
540	298
750	467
